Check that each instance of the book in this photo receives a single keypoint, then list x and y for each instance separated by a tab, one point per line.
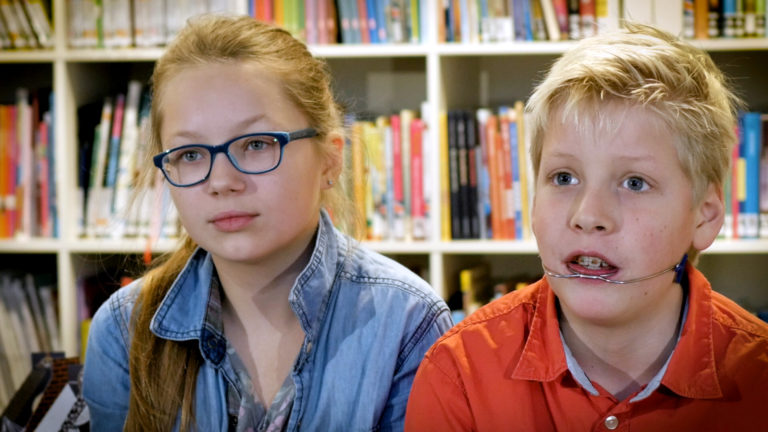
750	148
525	171
553	23
39	21
453	169
587	17
495	176
482	117
97	194
763	224
714	21
445	178
608	14
419	223
507	209
574	19
475	287
406	117
126	158
398	173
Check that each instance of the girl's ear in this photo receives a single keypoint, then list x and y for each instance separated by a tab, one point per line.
334	161
710	216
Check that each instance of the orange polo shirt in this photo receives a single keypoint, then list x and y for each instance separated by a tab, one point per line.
504	369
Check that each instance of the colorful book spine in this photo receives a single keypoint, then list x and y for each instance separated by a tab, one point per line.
749	210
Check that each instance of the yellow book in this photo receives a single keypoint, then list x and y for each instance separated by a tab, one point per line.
85	327
376	187
358	169
445	190
475	287
522	158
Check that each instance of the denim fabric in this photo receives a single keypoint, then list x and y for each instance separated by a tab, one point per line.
368	322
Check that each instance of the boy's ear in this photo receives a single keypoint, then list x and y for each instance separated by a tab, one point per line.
710	214
335	160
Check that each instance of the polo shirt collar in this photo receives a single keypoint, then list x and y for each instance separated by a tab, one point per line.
691	371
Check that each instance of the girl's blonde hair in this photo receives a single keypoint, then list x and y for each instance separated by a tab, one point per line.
163	373
646	67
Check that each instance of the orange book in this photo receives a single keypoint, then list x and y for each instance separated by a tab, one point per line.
362	13
496	181
508	192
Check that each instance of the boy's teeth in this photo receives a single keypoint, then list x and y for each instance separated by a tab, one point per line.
592	263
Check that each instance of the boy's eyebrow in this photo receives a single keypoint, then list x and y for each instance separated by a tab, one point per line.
646	157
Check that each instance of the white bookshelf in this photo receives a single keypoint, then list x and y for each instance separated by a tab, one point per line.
454	75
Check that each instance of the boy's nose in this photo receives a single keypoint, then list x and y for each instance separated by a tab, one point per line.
593	211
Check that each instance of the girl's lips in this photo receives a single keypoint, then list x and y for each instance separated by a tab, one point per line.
232	221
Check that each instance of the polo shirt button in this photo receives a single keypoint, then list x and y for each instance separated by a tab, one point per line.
611	422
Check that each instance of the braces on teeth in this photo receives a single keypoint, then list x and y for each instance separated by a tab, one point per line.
592	263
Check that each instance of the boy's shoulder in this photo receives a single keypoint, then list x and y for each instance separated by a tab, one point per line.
733	318
505	319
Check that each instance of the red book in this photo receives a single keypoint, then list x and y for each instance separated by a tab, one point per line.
418	206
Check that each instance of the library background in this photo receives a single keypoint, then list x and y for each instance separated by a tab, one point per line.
434	92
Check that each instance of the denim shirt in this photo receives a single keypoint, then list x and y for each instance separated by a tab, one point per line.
367	322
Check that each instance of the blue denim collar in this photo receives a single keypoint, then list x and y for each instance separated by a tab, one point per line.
182	313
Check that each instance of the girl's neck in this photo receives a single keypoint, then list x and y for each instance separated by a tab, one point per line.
262	288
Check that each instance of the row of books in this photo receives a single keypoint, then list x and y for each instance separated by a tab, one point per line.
389	156
486	188
28	324
146	23
746	188
487	185
140	23
27	185
726	18
110	161
25	24
525	20
554	20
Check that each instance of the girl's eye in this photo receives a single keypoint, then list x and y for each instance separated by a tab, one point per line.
564	178
256	144
190	156
636	184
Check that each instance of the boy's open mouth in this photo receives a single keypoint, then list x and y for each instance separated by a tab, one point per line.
590	265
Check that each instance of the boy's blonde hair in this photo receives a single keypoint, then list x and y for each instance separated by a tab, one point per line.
640	66
643	66
163	373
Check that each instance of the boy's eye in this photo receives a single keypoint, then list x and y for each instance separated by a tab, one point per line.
564	178
636	184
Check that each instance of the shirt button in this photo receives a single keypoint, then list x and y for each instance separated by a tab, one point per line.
611	422
309	347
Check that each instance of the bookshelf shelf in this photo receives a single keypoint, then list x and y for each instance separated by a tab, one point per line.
445	75
30	246
30	56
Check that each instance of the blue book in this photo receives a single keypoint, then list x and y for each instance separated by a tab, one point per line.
749	209
371	11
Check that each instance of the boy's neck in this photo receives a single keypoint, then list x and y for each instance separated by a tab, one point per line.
623	359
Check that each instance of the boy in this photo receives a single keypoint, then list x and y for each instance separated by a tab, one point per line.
631	134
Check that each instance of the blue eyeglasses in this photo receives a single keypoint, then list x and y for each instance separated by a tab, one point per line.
254	153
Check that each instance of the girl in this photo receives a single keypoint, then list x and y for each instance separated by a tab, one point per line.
266	317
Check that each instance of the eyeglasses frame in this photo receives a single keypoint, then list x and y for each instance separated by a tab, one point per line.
283	138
